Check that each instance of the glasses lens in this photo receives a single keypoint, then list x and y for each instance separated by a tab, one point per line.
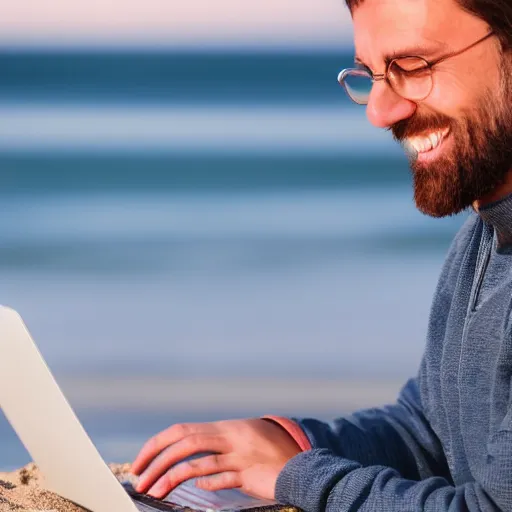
411	77
358	85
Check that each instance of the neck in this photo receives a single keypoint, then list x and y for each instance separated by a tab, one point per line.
498	193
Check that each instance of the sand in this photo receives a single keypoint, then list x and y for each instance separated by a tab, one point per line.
22	491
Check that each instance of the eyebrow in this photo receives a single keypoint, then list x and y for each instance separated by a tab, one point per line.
411	51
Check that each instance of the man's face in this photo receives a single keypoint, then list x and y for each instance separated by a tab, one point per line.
468	107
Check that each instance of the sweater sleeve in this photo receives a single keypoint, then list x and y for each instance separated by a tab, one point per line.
397	436
319	481
390	459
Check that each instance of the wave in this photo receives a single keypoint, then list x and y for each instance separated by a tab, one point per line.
223	128
182	232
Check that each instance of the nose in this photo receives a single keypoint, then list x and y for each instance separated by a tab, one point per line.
386	107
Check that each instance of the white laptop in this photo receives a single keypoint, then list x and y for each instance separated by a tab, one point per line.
52	434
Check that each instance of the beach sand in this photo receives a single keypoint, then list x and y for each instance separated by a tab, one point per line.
23	491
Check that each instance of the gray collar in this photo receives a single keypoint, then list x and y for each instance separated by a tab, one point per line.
499	216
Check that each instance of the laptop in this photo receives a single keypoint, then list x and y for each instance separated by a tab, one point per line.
51	432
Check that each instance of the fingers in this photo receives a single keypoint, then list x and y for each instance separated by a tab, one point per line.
162	440
183	471
175	453
226	480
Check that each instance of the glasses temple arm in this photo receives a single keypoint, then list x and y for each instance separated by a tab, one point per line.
454	54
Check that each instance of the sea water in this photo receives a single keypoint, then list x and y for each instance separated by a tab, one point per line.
202	215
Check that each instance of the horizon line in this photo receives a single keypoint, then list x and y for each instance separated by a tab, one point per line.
205	45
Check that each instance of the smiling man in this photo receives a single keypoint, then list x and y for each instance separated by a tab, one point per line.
438	74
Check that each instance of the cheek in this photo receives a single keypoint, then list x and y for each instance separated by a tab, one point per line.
463	87
450	94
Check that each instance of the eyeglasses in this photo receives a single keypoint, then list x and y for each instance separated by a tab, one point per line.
410	77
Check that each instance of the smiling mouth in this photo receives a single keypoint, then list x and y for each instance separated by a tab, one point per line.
425	145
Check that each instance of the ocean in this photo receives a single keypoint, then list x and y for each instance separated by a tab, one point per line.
206	217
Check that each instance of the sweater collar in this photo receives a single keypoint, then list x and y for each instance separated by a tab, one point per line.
499	215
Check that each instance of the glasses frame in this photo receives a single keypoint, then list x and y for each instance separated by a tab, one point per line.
377	77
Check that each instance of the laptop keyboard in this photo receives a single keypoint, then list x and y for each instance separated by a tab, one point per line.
188	497
146	503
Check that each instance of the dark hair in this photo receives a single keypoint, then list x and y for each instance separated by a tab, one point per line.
496	13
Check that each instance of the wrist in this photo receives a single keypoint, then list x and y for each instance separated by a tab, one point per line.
293	429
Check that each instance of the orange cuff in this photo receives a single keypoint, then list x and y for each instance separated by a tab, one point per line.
293	429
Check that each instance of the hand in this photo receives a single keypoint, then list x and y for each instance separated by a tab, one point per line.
244	454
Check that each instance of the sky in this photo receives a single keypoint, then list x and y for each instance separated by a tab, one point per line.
186	23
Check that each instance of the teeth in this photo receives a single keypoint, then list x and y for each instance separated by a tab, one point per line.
426	143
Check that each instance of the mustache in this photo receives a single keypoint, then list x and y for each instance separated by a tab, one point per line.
418	124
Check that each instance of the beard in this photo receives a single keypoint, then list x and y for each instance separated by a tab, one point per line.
477	160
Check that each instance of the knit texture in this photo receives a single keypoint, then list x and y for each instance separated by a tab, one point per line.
493	214
446	444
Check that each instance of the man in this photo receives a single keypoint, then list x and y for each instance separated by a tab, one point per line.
438	74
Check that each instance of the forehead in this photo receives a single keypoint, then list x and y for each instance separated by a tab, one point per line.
382	27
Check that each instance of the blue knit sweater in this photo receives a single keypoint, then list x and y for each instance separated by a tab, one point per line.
446	444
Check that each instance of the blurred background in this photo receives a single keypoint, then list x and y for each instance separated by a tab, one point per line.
195	222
